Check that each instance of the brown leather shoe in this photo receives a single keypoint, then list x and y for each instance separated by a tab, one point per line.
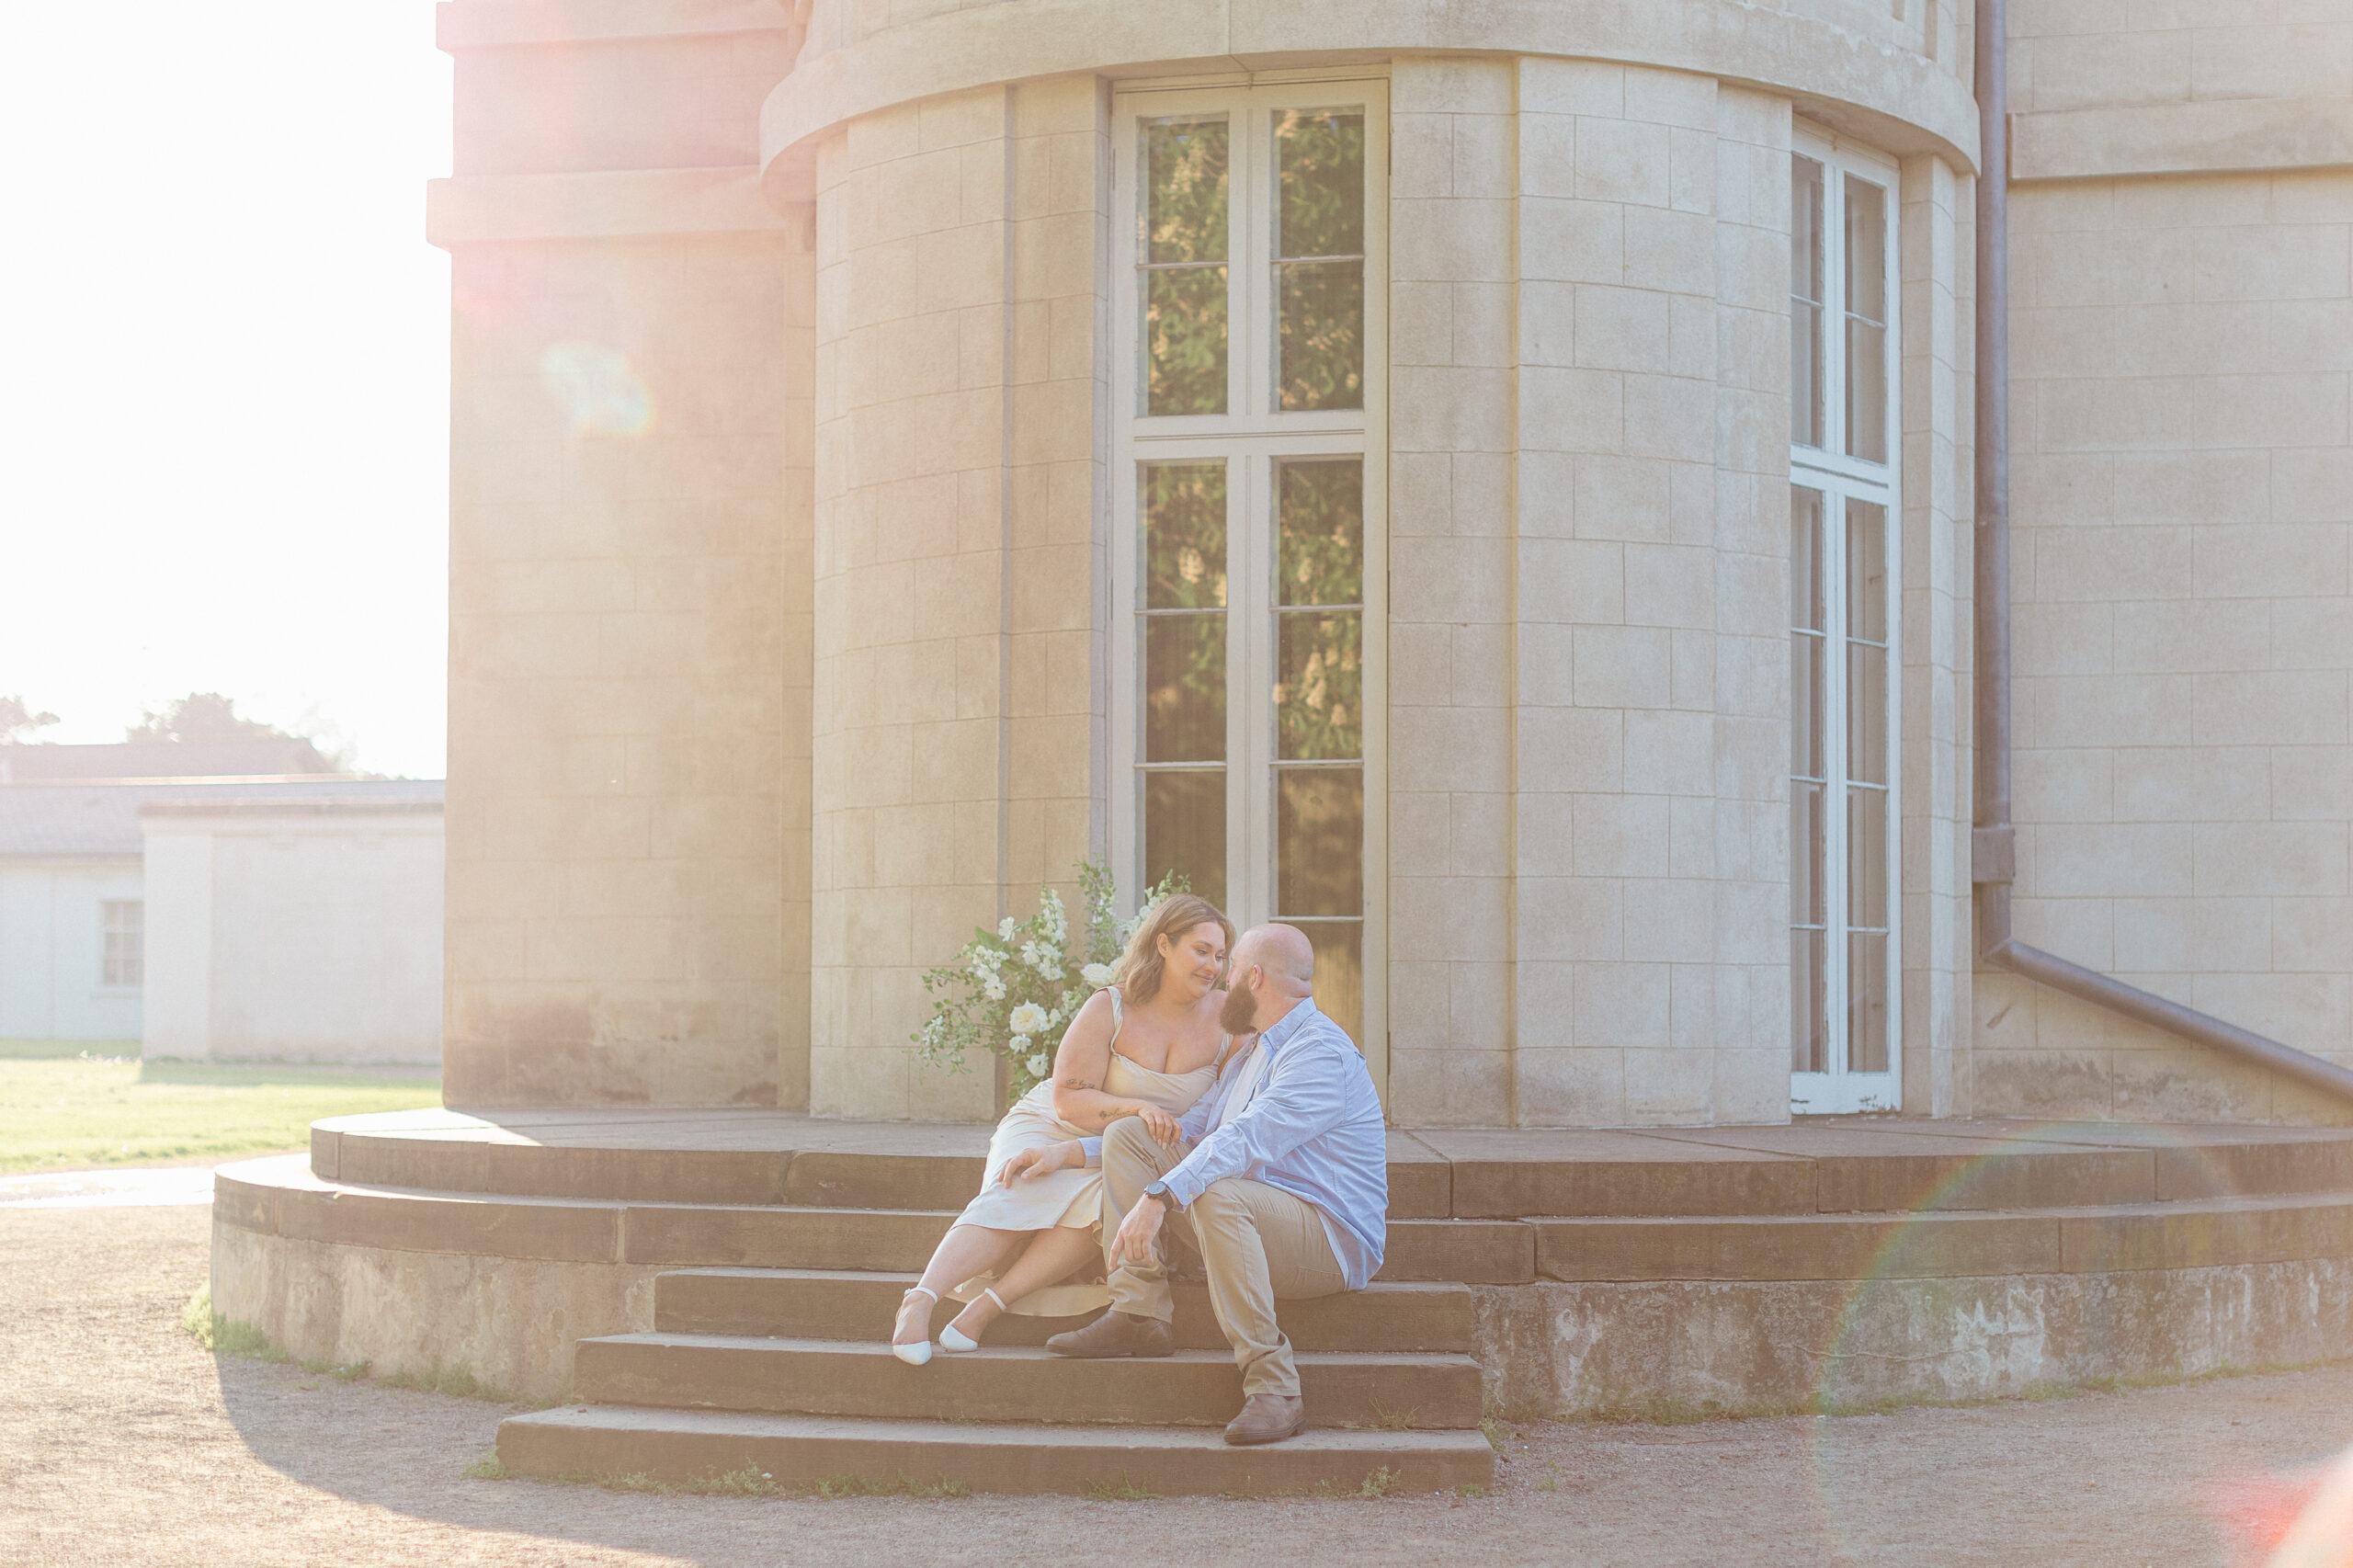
1267	1419
1115	1333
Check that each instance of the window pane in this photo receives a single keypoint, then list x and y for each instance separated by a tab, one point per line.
1806	643
1319	687
1319	162
1322	335
1185	184
1806	716
1867	571
1866	1004
1866	713
1184	327
1319	841
1319	167
1184	535
1184	829
1806	596
1339	972
1809	1003
1183	696
1866	320
1808	832
1866	859
1806	281
1321	520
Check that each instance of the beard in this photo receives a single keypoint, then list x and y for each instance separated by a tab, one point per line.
1240	1014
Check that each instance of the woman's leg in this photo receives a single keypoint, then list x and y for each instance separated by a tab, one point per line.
1054	1254
964	1251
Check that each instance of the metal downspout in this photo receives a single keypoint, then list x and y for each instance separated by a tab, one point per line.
1992	843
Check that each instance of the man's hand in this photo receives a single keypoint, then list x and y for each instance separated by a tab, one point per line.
1138	1231
1042	1161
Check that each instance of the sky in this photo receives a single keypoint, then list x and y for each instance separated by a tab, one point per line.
224	368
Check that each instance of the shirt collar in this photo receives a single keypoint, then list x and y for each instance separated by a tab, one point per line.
1286	1029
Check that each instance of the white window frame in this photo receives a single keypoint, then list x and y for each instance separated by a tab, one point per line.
1842	479
107	932
1252	435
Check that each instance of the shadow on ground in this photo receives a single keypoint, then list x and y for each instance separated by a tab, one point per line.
122	1442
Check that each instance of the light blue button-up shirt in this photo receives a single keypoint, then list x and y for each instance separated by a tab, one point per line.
1313	1128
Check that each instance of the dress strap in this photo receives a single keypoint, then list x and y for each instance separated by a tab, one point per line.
1119	1014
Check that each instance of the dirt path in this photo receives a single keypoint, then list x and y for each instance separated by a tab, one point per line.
123	1444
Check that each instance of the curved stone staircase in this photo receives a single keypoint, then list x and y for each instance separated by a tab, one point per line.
713	1289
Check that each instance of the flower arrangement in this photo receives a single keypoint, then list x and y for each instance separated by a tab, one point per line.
1013	991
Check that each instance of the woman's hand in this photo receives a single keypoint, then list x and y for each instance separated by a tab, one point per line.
1160	1124
1042	1161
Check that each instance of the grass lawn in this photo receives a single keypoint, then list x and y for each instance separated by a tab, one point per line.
66	1106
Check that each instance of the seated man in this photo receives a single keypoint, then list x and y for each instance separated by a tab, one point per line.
1283	1192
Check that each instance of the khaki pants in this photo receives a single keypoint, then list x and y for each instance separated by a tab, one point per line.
1259	1245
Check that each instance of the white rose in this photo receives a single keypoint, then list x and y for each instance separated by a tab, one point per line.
1027	1019
1005	929
1097	974
993	989
1038	1065
1018	1044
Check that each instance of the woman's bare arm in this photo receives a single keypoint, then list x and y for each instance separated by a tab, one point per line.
1080	1066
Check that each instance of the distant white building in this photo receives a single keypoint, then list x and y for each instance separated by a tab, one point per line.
290	917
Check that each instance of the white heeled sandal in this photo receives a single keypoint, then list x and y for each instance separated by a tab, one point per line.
954	1340
918	1353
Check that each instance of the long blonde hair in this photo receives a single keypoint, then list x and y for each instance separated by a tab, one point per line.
1139	971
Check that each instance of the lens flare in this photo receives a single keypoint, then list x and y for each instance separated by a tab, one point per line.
1999	1343
599	388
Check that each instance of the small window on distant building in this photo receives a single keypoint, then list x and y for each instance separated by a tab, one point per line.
124	924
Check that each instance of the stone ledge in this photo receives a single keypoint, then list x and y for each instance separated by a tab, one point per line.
762	1158
1663	1346
2231	136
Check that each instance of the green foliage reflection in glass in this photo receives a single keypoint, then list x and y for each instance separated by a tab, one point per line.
1184	284
1319	674
1184	620
1184	535
1319	260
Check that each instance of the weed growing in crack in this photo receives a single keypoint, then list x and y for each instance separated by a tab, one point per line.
1121	1490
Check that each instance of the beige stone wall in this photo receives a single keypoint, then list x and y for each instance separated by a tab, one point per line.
2183	499
1588	805
629	527
1937	240
958	612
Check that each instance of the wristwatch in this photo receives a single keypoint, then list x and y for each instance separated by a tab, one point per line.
1167	1199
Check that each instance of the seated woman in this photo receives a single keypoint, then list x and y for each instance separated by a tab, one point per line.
1147	1045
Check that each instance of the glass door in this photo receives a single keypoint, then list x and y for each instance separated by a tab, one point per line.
1844	968
1247	551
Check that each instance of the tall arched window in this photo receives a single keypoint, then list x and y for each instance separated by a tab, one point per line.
1247	495
1845	974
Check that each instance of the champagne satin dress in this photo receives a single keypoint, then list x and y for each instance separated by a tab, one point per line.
1067	1197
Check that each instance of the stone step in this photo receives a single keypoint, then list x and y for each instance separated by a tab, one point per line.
804	1451
842	1304
731	1157
832	1377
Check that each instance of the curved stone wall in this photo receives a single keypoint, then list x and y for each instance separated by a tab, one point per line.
1901	85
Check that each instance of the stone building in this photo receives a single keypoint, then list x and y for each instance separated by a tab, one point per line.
1495	483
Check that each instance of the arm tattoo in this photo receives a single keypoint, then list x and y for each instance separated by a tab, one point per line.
1075	1082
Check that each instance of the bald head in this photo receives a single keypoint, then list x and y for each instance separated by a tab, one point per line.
1273	970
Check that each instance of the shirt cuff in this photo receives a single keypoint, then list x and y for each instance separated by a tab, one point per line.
1093	1147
